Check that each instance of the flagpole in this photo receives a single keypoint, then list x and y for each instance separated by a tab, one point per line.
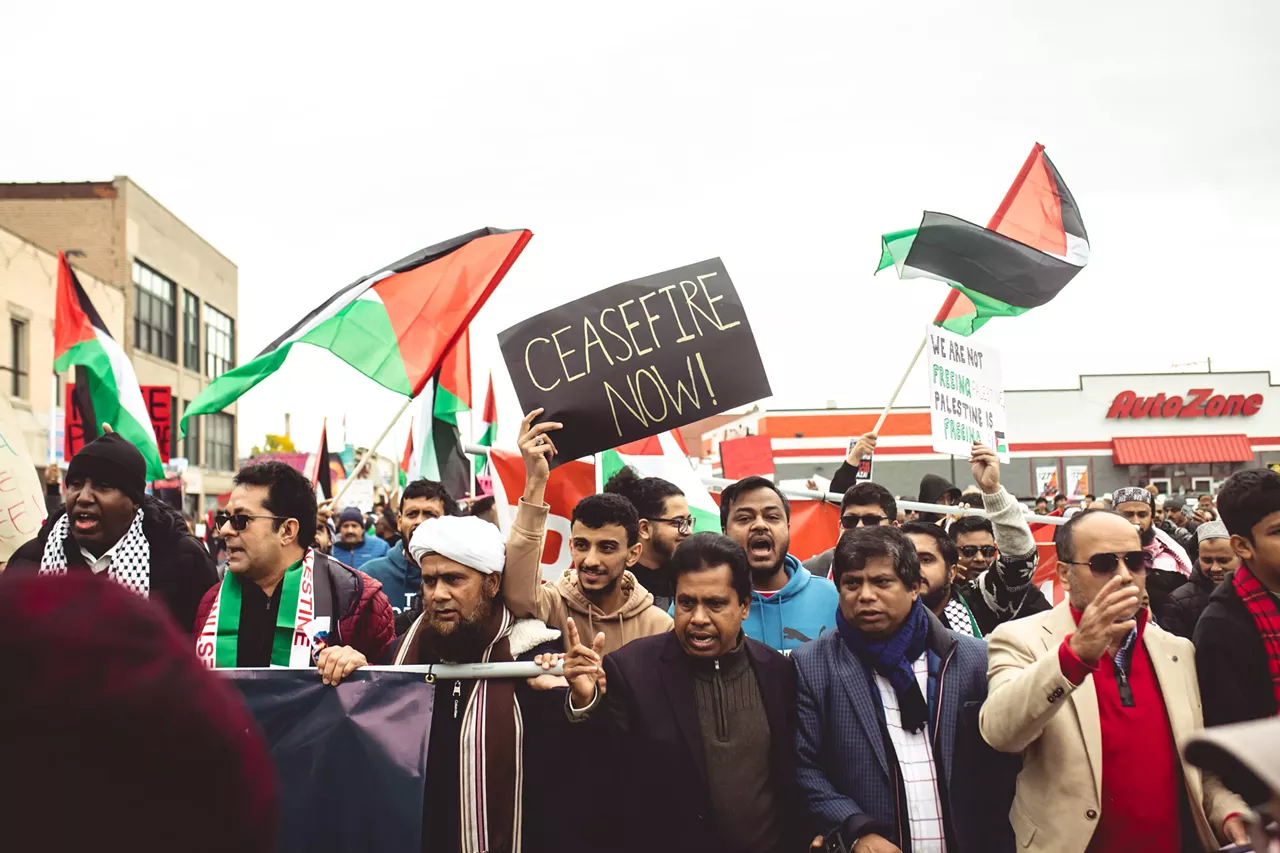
368	454
947	305
471	463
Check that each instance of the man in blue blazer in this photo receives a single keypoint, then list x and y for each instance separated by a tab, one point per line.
889	756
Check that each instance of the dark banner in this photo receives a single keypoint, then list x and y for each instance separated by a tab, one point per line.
159	400
350	759
637	359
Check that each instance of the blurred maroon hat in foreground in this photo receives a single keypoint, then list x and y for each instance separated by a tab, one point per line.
112	735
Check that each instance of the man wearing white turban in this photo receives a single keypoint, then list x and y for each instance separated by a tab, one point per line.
497	746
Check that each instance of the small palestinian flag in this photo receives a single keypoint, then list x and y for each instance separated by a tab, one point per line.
1032	247
490	420
81	340
395	325
322	475
442	457
406	460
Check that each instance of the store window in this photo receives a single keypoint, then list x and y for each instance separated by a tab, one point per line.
154	309
219	342
190	331
220	442
19	354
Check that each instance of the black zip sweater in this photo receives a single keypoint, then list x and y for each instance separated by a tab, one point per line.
736	743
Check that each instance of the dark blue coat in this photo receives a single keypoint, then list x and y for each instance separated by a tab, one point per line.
848	776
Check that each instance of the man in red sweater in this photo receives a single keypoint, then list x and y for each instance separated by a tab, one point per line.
1096	699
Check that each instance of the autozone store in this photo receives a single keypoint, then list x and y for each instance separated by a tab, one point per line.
1184	432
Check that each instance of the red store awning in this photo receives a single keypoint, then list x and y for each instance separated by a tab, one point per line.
1180	449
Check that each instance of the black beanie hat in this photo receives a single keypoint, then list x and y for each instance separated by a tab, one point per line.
114	458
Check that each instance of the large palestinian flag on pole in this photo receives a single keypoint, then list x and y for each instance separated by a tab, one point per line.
450	394
395	325
81	340
1032	247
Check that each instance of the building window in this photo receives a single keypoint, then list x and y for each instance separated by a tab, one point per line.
190	331
20	381
154	313
191	444
219	342
220	454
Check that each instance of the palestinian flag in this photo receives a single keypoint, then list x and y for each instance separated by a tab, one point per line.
406	459
664	456
450	395
490	419
1032	247
395	325
322	475
107	390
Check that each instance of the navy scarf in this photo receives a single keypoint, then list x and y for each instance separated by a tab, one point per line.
892	658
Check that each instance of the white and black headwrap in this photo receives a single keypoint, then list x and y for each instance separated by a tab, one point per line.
130	562
1132	493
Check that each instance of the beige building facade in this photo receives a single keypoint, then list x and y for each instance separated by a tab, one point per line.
167	295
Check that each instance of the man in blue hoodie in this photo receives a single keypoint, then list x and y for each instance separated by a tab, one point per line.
400	576
353	546
789	606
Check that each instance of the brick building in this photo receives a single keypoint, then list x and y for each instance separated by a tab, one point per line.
166	294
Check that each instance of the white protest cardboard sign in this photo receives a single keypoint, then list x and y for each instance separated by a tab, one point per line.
360	495
966	394
21	493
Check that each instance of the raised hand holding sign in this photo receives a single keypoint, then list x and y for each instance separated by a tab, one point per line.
637	359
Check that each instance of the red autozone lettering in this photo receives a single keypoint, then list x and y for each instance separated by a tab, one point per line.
1199	403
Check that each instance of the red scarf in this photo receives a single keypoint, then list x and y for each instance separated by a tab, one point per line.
1265	610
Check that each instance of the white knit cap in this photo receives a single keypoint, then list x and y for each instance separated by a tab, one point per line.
468	540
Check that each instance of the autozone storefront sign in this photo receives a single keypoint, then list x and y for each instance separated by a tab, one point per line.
1198	403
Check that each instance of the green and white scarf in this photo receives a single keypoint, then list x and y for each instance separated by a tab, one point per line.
219	640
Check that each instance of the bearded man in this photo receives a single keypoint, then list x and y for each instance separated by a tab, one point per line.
1168	563
497	761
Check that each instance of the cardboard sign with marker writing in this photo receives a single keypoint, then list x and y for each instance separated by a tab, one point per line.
22	507
636	359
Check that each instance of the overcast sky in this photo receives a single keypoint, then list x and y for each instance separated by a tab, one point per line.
313	147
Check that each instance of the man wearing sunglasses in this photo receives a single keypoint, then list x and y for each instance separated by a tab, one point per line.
864	505
1096	699
996	554
281	603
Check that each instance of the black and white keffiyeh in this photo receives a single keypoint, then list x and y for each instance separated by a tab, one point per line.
957	614
130	562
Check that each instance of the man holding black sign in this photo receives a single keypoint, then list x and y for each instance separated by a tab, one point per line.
600	592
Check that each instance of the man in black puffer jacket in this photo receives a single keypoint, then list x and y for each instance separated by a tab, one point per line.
111	527
1217	561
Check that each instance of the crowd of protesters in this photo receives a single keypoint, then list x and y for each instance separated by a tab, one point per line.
911	690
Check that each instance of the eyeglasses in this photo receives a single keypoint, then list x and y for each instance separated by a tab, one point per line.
850	522
1106	564
240	520
971	551
684	525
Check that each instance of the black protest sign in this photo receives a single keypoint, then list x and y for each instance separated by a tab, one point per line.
636	359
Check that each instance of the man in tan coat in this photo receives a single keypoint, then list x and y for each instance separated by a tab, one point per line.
599	593
1098	701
